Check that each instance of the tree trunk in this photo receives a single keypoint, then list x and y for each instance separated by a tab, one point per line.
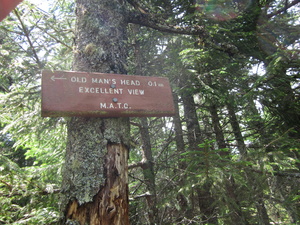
205	198
236	130
178	130
193	134
236	215
147	164
95	186
217	128
180	147
266	139
260	206
280	98
148	172
192	123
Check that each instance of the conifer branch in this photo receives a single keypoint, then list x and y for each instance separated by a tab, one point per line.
27	35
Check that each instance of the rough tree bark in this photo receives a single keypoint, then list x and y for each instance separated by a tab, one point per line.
237	216
147	163
205	198
148	172
259	203
95	187
180	146
178	127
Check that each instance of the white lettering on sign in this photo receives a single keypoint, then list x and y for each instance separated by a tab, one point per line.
103	81
136	92
104	105
96	90
109	81
78	79
104	95
131	82
155	84
53	78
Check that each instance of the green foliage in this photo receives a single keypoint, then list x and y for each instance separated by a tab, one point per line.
257	169
31	152
25	198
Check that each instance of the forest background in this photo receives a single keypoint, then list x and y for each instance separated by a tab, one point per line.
230	155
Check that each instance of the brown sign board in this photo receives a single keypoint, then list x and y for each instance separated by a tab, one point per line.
66	93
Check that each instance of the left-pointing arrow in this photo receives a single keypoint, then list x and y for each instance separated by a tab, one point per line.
58	78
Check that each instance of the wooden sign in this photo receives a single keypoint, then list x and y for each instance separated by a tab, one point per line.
105	95
6	6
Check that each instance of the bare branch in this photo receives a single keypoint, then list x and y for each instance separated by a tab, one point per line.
145	195
137	6
153	22
134	165
295	2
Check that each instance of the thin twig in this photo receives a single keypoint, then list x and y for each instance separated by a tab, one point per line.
27	34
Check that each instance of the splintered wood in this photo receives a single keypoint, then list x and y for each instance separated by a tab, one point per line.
112	198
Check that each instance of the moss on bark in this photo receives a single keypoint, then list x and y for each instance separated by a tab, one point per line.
95	172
